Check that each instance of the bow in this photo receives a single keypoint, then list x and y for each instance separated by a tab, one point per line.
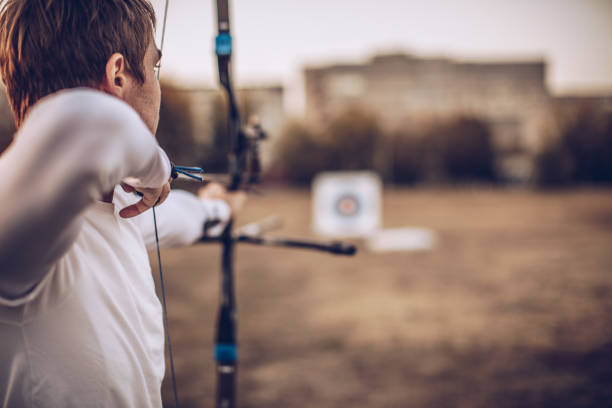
243	172
226	348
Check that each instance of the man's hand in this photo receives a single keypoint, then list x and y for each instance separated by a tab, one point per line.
150	198
235	199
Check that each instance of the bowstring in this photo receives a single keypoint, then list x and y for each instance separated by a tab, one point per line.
163	35
159	263
166	323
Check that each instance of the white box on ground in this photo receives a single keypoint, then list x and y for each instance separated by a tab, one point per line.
402	239
347	204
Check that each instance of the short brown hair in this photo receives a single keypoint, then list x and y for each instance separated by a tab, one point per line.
49	45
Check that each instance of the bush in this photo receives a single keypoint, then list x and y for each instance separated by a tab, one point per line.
349	142
459	149
554	166
464	149
589	142
214	159
408	157
582	153
175	130
299	154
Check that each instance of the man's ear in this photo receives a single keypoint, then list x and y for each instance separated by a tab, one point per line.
115	79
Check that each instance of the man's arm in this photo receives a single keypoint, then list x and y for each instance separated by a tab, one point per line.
181	219
73	148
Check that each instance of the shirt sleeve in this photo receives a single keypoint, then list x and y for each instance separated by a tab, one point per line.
73	147
181	220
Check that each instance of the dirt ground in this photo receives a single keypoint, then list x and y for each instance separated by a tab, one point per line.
512	308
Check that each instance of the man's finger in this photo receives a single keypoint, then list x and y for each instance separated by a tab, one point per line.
164	194
127	188
134	209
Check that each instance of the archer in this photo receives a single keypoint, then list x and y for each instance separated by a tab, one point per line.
79	319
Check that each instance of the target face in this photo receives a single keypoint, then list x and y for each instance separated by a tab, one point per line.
346	204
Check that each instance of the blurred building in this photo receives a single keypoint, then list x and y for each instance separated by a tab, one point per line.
512	97
265	102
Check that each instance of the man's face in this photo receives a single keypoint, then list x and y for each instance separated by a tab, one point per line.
145	98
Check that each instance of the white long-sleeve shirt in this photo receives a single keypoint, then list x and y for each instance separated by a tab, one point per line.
80	324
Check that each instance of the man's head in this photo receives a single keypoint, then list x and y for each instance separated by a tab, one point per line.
49	45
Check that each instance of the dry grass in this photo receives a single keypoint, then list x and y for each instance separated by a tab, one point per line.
511	309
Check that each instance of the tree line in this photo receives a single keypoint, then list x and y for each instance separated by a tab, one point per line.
453	150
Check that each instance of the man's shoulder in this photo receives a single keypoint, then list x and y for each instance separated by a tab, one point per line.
77	105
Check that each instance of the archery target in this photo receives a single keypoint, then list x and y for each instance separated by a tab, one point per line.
346	204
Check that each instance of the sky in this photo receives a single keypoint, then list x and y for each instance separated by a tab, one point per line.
275	39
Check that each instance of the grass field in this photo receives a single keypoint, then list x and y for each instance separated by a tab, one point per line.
512	308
